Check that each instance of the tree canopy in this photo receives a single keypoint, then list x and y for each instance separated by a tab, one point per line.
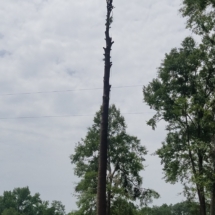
125	161
200	16
21	202
182	208
183	95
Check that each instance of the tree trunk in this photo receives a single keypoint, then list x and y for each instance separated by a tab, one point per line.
108	202
212	205
101	190
200	189
202	202
201	192
110	184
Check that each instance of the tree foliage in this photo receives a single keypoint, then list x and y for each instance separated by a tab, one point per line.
183	95
125	161
10	211
200	16
21	202
182	208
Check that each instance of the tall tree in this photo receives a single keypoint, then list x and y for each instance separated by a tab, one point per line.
184	96
124	163
101	189
200	16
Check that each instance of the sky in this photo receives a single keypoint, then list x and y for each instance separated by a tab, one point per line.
51	75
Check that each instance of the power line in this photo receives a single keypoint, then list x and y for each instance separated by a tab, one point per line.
63	116
64	91
40	117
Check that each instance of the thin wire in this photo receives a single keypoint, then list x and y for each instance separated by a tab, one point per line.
63	116
39	117
63	91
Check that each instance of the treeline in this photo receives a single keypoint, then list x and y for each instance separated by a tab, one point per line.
21	202
183	208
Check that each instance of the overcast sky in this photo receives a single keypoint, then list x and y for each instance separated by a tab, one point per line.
56	45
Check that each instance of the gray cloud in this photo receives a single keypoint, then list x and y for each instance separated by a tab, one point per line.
57	45
3	53
70	72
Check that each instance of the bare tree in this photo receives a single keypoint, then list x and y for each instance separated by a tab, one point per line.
101	190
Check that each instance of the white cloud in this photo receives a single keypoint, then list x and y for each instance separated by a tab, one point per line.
57	45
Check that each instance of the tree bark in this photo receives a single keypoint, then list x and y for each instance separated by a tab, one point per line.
201	192
101	189
108	201
200	189
212	205
202	202
110	184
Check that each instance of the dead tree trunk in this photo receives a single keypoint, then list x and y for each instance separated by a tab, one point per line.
212	205
101	190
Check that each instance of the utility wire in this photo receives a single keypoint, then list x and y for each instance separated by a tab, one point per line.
64	91
64	116
39	117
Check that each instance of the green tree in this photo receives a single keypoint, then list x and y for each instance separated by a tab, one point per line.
186	208
200	16
21	202
157	210
125	158
182	208
123	207
10	211
7	201
74	213
183	95
57	208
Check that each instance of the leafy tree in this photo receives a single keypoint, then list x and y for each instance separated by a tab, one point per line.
156	210
123	207
10	211
125	157
182	208
7	201
183	95
185	208
200	16
73	213
57	208
21	202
